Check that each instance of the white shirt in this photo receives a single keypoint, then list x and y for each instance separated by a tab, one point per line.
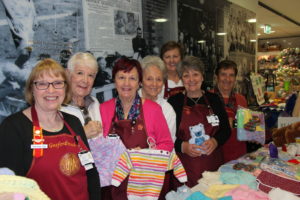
169	114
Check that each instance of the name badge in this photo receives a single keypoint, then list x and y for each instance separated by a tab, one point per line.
213	120
39	146
86	159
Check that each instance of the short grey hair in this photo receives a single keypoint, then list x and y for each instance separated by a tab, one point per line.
149	61
190	63
82	58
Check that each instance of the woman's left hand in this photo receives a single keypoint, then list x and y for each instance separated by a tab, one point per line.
93	129
209	146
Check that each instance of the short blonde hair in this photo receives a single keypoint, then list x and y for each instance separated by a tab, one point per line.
82	58
149	61
46	67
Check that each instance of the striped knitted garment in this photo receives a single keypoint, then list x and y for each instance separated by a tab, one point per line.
147	169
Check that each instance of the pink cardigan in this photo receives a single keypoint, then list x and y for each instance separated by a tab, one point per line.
155	122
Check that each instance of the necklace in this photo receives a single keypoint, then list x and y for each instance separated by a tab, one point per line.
195	101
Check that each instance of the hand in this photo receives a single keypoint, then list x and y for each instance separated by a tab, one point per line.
191	149
209	146
93	129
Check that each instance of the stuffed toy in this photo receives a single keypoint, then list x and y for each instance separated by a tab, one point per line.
198	135
286	135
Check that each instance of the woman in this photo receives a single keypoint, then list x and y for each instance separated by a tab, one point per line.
46	145
154	76
171	53
82	70
198	109
132	118
226	73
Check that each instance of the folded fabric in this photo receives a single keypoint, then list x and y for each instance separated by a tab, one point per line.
182	193
239	177
243	192
23	185
198	196
218	191
279	194
6	171
267	181
208	179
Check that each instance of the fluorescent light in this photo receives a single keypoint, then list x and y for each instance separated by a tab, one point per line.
253	20
201	41
160	20
252	40
221	33
258	34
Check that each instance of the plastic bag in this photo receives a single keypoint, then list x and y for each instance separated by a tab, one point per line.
250	125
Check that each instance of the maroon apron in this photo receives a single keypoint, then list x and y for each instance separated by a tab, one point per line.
195	166
133	134
232	144
59	172
168	92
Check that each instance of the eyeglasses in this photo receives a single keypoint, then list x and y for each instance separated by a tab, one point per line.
41	85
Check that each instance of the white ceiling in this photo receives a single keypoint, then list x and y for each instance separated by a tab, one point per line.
281	26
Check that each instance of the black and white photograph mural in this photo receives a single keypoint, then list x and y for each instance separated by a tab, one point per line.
32	30
238	45
197	28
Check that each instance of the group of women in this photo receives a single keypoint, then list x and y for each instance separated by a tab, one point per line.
159	102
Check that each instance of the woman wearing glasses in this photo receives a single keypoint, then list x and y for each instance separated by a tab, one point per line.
47	145
82	69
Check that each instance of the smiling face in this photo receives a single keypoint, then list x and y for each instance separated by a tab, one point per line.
171	58
192	81
152	82
49	99
82	80
226	80
127	84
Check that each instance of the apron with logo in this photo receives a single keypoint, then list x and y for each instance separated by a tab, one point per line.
58	171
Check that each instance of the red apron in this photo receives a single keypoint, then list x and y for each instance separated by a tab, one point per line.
194	167
232	144
59	172
168	92
132	134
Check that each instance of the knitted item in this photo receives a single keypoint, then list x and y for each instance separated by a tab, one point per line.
106	152
182	193
147	171
267	181
19	184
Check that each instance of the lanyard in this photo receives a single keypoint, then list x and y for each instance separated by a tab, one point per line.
38	138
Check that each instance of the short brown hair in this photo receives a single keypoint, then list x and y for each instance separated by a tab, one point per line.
170	45
188	63
226	64
46	67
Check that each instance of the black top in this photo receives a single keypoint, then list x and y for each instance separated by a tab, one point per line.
223	133
16	154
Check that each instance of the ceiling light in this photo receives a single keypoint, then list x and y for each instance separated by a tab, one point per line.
252	40
253	20
258	34
160	20
221	33
201	41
